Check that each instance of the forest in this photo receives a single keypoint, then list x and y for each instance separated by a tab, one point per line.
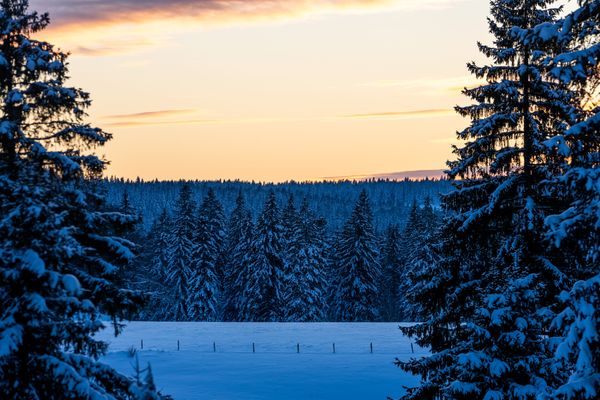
282	260
498	265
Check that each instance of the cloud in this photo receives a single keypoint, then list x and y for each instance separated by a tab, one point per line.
149	114
442	112
150	118
429	86
80	14
133	123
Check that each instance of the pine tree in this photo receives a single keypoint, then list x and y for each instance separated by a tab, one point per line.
498	278
204	284
264	284
305	284
181	251
60	253
357	266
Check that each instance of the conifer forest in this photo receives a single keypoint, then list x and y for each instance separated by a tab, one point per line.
480	283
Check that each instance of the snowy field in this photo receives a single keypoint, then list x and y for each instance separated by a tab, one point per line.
276	370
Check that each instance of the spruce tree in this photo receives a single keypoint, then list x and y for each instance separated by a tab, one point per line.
60	249
391	272
204	284
357	266
305	285
575	230
498	280
181	251
240	306
153	267
265	273
236	230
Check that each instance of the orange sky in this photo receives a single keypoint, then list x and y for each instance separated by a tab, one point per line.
271	90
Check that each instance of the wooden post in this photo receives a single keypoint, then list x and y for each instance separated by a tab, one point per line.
141	344
298	348
333	348
177	344
371	347
412	348
253	348
214	347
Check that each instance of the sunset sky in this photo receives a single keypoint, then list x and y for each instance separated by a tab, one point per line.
271	90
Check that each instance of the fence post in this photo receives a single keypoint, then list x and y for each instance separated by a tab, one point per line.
214	347
141	344
298	348
177	344
333	348
253	348
412	348
371	347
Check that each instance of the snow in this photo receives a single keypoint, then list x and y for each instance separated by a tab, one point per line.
275	370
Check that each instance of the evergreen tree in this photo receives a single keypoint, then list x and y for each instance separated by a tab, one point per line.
357	266
211	212
391	264
238	305
488	328
264	284
575	231
237	228
305	285
181	251
289	220
208	243
60	253
153	266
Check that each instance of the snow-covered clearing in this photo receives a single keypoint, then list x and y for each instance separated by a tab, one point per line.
275	370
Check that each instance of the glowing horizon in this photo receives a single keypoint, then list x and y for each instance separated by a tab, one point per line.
271	90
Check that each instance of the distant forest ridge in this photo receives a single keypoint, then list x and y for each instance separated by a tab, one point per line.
333	200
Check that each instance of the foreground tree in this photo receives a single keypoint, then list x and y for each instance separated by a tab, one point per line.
357	267
498	278
60	255
576	230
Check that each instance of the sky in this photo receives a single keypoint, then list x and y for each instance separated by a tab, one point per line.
271	90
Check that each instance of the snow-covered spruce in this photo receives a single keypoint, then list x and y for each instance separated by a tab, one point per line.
496	276
60	252
357	268
263	291
204	284
181	251
305	285
575	231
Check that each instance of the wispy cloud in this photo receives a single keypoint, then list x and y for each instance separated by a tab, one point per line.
428	86
442	112
149	114
148	118
82	12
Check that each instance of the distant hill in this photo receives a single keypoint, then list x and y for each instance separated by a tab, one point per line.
395	176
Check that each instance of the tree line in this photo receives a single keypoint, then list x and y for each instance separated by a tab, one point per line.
198	264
